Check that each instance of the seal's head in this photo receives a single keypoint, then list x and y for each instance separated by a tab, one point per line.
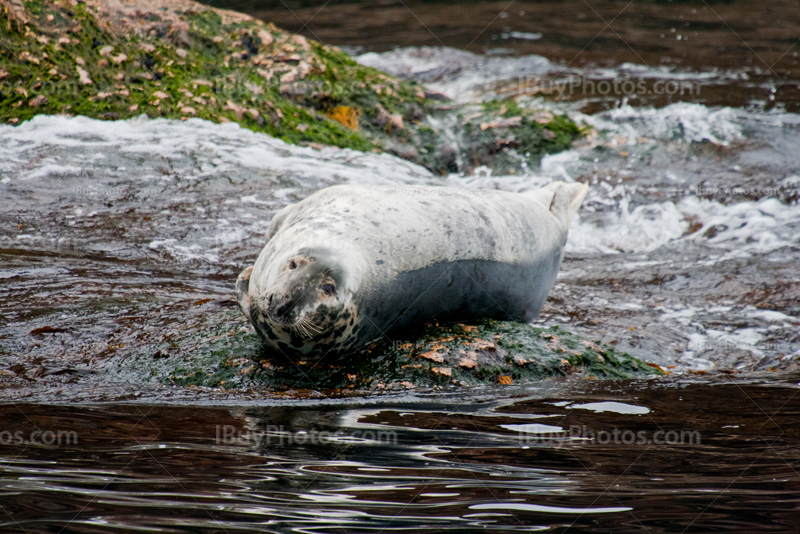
304	296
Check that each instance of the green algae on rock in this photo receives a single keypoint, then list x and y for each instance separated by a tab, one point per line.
115	59
507	352
178	59
451	355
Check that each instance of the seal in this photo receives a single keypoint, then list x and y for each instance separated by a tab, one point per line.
351	264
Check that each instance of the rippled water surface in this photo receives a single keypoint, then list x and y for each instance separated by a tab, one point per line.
744	54
542	458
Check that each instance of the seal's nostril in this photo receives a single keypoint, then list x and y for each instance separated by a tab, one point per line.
269	298
284	309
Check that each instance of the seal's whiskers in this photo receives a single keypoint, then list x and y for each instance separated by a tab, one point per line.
307	326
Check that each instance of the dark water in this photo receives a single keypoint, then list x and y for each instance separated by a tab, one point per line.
748	52
687	457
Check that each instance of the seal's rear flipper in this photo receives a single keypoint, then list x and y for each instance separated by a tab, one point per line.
243	292
566	200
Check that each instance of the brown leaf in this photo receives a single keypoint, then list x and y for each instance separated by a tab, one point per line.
433	355
469	363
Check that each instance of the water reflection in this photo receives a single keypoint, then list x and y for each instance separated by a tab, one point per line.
436	464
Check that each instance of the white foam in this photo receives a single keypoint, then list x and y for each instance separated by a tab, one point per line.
739	230
52	171
234	146
682	122
770	316
461	75
525	36
642	229
534	428
538	508
665	72
607	224
184	252
614	407
744	228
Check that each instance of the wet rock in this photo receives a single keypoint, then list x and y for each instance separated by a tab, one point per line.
396	122
454	354
414	112
449	159
297	82
433	95
408	153
381	118
220	44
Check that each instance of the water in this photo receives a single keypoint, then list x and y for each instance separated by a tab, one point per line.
121	237
120	242
539	458
742	55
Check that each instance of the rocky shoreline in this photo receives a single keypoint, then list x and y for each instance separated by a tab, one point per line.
178	59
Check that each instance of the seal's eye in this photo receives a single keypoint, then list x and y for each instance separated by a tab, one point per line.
292	265
328	289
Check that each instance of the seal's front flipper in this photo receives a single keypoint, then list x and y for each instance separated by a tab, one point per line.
243	292
277	221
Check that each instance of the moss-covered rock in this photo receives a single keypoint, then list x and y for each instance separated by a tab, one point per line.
175	59
500	134
453	355
116	59
504	352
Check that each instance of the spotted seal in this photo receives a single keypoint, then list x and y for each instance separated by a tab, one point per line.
350	264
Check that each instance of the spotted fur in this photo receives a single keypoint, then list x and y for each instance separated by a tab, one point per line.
350	264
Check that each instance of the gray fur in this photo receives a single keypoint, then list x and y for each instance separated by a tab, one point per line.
398	256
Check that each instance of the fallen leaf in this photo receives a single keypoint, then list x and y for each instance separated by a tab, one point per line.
467	362
37	101
502	123
444	371
433	355
656	366
346	116
83	77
